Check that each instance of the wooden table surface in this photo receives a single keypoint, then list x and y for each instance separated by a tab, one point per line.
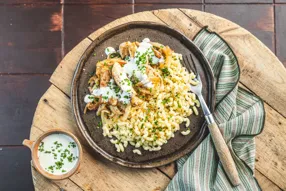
261	73
35	36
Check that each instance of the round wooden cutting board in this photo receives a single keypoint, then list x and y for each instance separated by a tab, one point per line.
261	73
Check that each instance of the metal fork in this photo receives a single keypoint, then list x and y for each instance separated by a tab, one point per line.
218	140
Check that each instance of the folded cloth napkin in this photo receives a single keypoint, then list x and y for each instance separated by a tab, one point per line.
239	114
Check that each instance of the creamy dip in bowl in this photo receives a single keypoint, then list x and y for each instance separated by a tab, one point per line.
56	154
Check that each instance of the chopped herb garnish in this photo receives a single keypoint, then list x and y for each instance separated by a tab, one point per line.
156	122
116	127
146	118
94	54
41	147
51	167
179	105
127	58
64	155
117	89
70	158
115	54
59	165
100	124
59	155
165	72
164	101
73	144
105	97
91	97
66	151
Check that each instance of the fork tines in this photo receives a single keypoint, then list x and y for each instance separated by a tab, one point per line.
189	63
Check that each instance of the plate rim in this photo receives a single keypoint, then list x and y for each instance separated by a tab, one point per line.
75	104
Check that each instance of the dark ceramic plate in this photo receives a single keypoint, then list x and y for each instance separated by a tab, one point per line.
137	31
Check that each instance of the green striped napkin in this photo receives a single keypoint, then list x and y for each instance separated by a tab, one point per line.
238	113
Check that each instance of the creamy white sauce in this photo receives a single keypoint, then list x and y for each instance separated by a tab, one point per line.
109	50
88	98
111	91
135	67
58	153
146	40
125	83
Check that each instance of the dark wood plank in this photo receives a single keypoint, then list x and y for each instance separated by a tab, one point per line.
258	19
280	1
15	169
19	97
87	19
30	38
238	1
280	16
148	7
9	2
98	1
168	1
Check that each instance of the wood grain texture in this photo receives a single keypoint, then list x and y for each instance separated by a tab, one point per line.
97	1
238	1
149	7
169	169
257	19
178	20
265	183
261	70
98	15
260	73
280	18
15	2
143	16
94	170
30	38
168	1
15	161
280	1
270	145
224	154
19	96
62	76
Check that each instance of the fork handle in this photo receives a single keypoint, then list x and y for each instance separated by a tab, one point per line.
223	151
